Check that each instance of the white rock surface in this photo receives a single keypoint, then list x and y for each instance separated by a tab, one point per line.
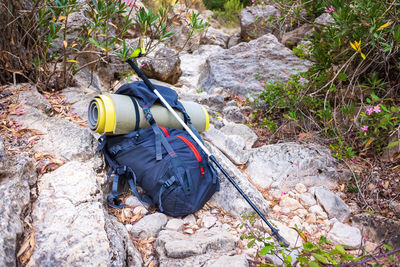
231	146
231	261
317	210
240	130
345	234
149	226
175	248
290	203
301	188
332	204
174	225
285	165
209	221
228	197
307	200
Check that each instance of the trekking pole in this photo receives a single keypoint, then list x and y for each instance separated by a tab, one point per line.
140	73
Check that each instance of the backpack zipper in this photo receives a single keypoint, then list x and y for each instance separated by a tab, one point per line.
194	150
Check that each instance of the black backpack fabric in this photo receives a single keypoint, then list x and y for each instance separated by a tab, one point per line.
166	163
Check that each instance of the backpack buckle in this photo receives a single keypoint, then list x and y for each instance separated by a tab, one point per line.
121	170
170	181
115	150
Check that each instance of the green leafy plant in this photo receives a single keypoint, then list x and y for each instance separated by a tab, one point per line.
320	253
55	51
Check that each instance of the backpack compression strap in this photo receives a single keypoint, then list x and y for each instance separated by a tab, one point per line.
113	199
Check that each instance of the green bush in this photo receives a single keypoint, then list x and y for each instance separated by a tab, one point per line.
311	254
214	4
356	68
48	54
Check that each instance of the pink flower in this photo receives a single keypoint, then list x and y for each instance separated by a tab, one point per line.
364	128
329	10
283	193
377	109
369	111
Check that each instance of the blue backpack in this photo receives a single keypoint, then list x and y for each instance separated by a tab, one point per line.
166	163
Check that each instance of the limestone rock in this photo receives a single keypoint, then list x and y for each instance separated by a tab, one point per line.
234	40
214	102
78	143
307	200
15	197
133	202
30	96
345	234
290	203
69	220
232	261
189	219
378	228
289	234
395	206
252	21
240	130
333	205
301	188
317	210
192	64
209	221
120	242
165	66
231	146
213	36
178	39
292	38
149	226
174	225
287	164
234	114
175	248
235	68
228	197
80	97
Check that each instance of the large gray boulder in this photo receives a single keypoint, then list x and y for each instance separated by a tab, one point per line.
164	66
254	21
149	226
345	234
241	130
231	146
122	250
293	38
213	36
242	67
285	165
232	261
15	199
193	64
66	217
332	204
228	198
177	249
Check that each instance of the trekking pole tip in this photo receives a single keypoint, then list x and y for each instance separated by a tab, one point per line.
281	239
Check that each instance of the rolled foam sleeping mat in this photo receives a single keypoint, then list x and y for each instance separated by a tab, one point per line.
115	114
